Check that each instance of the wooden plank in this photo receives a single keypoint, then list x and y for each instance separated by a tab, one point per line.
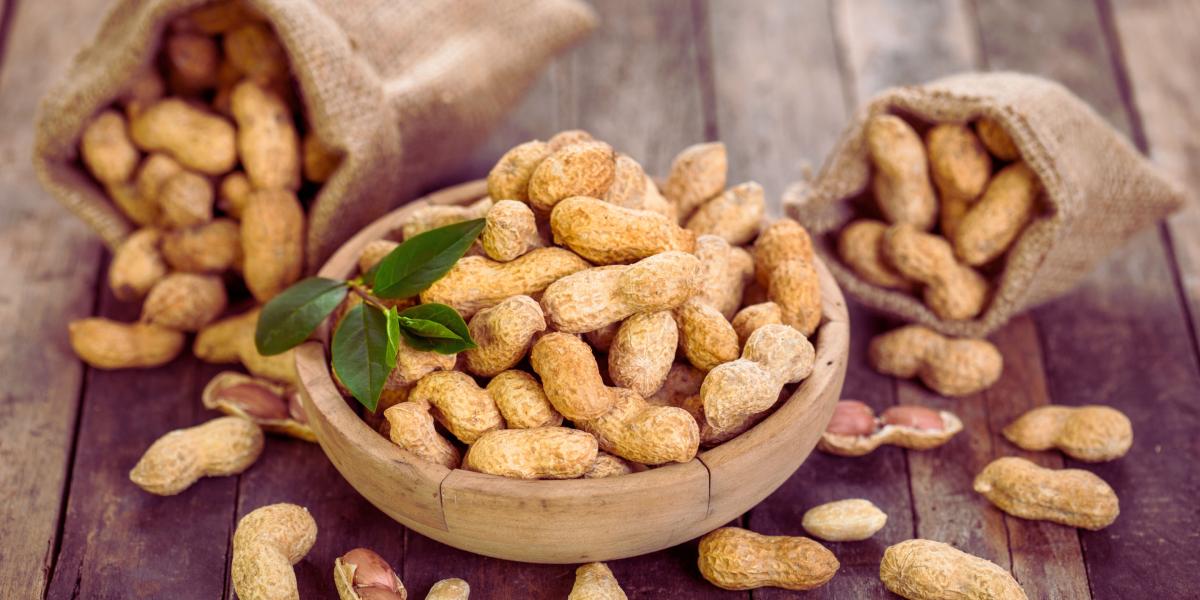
1152	46
48	267
115	534
634	83
778	91
298	472
770	133
1046	558
880	53
1121	338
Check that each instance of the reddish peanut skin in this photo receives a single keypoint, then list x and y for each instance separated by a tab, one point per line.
916	417
851	417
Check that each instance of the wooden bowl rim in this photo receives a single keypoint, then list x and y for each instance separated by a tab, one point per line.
312	365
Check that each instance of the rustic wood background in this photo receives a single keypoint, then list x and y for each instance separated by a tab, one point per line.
775	80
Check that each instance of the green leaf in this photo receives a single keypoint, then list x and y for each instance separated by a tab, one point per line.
289	318
423	259
393	333
363	357
429	329
435	327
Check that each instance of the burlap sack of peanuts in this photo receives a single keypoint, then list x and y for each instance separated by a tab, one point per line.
1098	191
403	89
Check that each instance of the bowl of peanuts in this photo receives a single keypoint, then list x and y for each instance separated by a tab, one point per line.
651	362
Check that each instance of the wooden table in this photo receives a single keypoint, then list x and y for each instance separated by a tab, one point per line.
775	80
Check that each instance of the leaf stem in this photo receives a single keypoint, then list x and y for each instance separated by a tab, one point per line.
358	288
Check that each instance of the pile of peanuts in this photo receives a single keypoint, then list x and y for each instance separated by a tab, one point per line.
206	152
944	182
598	301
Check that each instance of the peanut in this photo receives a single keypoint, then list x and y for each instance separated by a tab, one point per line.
151	176
950	215
449	589
861	247
213	247
143	211
948	366
510	231
996	139
106	344
581	169
266	543
272	242
410	426
602	339
522	401
503	334
319	161
254	51
191	61
724	272
137	265
440	215
186	200
991	226
509	179
595	581
269	405
734	215
537	453
476	282
221	341
654	201
143	89
1071	497
568	137
774	356
220	447
198	140
593	298
901	184
607	465
221	16
851	417
185	301
697	174
267	142
959	163
1087	433
642	351
571	377
851	520
751	318
952	290
606	234
233	194
413	364
374	252
737	559
913	417
644	433
784	262
459	404
706	338
361	574
683	381
628	188
929	570
106	148
279	367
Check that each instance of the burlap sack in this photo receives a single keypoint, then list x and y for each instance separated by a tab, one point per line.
403	89
1098	191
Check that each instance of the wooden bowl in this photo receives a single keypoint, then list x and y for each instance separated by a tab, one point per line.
578	520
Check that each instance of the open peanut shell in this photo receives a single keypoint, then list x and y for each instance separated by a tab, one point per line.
894	435
266	403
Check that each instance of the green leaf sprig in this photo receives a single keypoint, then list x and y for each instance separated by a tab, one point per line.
368	337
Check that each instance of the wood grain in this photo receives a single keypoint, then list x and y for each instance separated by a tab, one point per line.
117	540
1157	40
48	268
1121	338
